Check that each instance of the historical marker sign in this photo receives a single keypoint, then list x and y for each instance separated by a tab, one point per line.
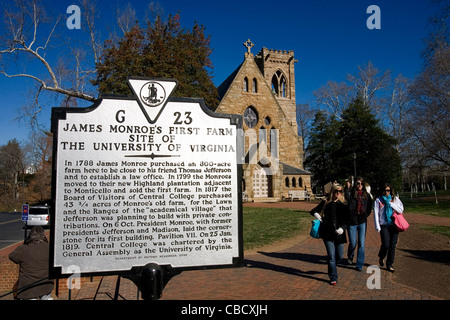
142	180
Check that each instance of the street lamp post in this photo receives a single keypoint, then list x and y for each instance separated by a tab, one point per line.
354	163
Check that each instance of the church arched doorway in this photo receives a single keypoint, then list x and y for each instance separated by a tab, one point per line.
262	183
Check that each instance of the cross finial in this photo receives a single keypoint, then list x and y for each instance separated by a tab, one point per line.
248	44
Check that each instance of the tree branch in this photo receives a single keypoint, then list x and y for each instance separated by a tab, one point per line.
17	24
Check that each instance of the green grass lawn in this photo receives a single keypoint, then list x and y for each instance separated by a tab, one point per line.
264	226
425	203
438	229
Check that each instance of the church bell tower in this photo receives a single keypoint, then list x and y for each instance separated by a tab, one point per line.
277	67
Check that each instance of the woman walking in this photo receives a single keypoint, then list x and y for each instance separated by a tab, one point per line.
385	206
360	207
332	227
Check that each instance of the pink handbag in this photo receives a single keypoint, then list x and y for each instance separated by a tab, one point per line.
400	222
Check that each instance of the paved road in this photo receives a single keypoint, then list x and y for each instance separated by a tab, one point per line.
11	228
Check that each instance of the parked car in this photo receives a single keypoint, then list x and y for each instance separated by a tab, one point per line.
38	216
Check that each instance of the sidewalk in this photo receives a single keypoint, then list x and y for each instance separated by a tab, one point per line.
296	272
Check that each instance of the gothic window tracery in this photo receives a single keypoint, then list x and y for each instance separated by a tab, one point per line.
250	117
279	84
245	84
274	142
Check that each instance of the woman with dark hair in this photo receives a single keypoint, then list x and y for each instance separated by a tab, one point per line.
332	227
360	207
384	208
33	259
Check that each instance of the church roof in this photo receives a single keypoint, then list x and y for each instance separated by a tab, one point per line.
290	170
223	88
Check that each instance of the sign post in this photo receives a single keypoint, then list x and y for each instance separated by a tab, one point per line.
145	180
25	211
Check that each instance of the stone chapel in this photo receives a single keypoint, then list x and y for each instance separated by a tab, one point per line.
262	89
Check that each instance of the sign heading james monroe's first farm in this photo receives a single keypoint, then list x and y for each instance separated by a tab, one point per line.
146	179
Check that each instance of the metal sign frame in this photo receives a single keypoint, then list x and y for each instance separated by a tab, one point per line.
59	114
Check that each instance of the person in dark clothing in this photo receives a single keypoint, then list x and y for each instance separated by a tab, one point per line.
332	228
33	259
360	206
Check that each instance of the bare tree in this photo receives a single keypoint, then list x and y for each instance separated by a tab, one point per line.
11	170
304	115
63	61
23	41
368	81
335	97
429	121
40	154
396	106
126	18
439	35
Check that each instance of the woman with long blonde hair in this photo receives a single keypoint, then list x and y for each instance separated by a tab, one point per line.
334	221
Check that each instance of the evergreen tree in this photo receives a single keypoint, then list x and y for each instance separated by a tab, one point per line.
164	50
323	143
377	160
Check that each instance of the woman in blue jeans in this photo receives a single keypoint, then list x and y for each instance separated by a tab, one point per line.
360	206
383	209
332	227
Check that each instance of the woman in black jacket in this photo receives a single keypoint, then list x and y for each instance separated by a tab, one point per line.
33	258
332	228
360	206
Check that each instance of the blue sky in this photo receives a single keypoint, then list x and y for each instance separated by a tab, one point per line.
329	38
